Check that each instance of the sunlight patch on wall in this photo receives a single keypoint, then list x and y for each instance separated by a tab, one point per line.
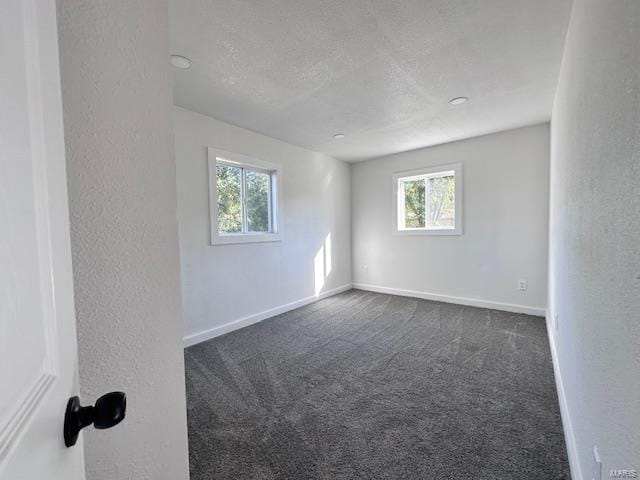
328	263
322	264
318	269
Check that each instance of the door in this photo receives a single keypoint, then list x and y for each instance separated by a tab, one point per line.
38	358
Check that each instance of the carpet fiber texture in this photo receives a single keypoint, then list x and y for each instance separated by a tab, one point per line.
364	385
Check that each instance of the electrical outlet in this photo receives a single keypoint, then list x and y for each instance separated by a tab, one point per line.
597	464
522	285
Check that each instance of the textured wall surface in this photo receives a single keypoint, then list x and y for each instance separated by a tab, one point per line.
122	196
595	232
224	283
505	218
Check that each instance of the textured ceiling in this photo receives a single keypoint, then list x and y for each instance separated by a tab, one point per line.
379	71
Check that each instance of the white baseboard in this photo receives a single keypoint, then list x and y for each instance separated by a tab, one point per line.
472	302
210	333
567	427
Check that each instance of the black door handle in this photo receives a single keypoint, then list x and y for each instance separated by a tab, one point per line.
108	411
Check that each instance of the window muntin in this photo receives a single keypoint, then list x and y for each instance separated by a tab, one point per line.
428	200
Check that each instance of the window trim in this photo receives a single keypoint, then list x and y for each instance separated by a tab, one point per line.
215	156
429	172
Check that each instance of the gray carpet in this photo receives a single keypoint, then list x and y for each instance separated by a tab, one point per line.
370	386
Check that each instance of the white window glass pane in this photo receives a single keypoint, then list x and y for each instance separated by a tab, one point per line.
229	185
441	202
258	201
414	207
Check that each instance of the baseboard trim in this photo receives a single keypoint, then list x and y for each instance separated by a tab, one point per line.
567	426
472	302
208	334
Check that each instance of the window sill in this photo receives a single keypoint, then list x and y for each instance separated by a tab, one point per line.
444	231
246	238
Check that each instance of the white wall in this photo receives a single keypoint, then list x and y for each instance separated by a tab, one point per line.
227	283
505	217
122	198
595	235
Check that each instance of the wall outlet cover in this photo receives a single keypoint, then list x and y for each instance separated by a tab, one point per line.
597	464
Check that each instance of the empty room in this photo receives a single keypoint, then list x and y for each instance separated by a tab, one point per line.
320	239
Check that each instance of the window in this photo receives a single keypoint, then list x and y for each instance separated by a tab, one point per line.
243	197
428	201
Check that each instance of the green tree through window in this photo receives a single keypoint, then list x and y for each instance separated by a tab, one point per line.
258	191
442	200
429	201
244	200
414	206
229	186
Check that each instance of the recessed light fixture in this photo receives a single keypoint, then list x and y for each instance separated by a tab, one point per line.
178	61
338	136
459	100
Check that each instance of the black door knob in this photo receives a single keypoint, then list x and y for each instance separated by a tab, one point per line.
108	411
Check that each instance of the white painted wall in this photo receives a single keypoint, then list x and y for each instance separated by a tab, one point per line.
505	199
243	283
122	198
595	235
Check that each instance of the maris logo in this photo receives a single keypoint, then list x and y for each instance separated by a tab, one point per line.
617	473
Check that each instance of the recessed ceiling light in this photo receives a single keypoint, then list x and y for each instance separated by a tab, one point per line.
338	136
180	62
459	100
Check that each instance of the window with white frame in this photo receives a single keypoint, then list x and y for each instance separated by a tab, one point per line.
243	198
428	201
